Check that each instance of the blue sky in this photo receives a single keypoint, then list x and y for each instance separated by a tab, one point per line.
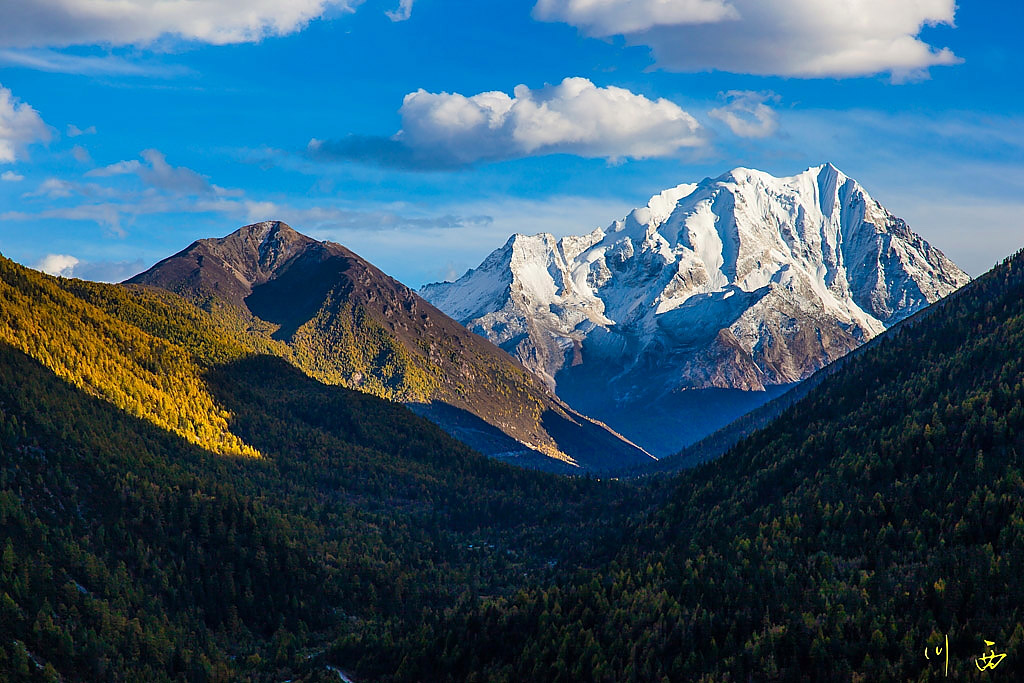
422	134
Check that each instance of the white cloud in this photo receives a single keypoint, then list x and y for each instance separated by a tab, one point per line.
156	172
11	177
53	188
66	265
615	17
118	168
403	12
446	130
81	154
58	264
164	189
20	126
88	65
117	195
163	176
74	131
747	115
804	38
59	23
574	117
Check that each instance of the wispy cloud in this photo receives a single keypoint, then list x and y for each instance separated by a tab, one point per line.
154	171
114	196
110	199
81	154
403	12
86	65
53	188
321	218
74	131
440	247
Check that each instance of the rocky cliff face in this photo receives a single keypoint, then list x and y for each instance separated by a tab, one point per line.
743	282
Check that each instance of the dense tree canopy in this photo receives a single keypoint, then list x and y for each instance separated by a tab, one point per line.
133	551
875	519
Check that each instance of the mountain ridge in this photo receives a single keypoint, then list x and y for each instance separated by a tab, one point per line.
343	321
737	283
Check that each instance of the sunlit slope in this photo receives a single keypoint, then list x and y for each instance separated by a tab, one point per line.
158	380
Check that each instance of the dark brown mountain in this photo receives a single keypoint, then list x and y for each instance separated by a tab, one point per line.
343	321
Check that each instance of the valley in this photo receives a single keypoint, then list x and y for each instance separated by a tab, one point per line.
245	463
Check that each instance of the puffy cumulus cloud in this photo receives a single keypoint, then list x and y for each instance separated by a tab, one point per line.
66	265
60	23
615	17
58	264
747	114
803	38
449	130
20	126
11	177
574	117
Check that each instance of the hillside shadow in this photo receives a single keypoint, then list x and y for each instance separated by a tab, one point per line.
487	439
295	296
50	408
587	441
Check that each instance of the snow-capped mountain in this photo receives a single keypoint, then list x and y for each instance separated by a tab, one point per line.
744	282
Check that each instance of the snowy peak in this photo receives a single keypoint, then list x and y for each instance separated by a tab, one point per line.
741	282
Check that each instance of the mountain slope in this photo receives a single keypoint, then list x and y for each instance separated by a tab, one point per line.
137	372
737	284
881	515
131	551
345	322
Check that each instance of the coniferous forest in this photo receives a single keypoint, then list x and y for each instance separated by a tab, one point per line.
178	502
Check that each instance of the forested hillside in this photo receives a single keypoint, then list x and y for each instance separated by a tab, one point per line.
130	550
872	520
877	517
